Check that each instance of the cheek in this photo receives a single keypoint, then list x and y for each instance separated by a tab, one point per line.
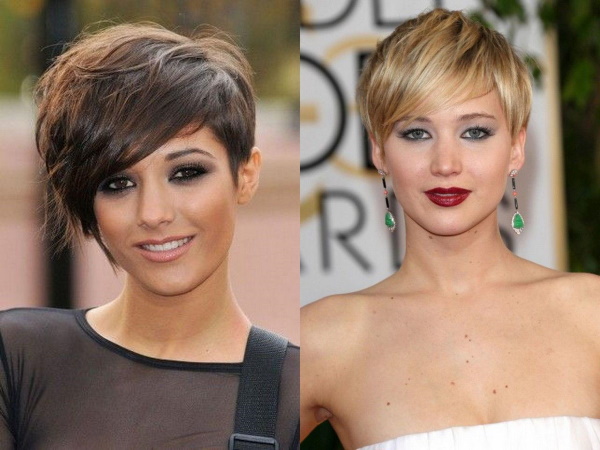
490	182
406	171
491	175
112	222
494	165
212	209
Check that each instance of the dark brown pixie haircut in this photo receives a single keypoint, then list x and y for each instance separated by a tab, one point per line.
117	95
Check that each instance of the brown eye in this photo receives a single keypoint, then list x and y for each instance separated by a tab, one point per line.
116	185
120	184
188	173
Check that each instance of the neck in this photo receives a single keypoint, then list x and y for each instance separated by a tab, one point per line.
204	324
455	265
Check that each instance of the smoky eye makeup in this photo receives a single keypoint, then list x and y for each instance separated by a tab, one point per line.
116	184
478	132
413	134
187	172
181	173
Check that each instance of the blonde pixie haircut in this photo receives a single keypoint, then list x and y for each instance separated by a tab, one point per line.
435	60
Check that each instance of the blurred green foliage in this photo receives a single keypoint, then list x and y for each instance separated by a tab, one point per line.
577	23
16	41
322	438
506	9
268	32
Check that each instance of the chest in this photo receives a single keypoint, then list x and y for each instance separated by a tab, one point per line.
464	369
115	408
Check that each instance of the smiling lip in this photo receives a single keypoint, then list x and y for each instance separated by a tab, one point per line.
447	197
165	250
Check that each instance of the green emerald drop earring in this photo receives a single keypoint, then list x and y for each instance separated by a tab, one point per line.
517	222
390	222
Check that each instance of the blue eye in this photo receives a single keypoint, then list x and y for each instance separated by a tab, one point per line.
415	134
188	173
116	185
477	133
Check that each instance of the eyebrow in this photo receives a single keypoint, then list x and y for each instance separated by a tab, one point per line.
180	153
462	118
476	116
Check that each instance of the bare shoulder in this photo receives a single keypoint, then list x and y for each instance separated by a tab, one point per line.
570	299
332	332
582	289
334	304
572	286
581	293
328	343
575	298
576	287
583	282
328	321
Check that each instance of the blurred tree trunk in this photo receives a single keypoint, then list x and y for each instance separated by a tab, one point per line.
578	26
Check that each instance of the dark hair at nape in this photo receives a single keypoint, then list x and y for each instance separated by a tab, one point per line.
116	95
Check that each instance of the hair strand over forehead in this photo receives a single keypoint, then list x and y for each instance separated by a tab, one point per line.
437	59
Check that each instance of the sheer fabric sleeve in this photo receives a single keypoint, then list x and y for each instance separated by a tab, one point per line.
7	440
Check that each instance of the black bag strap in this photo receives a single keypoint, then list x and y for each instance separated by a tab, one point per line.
258	393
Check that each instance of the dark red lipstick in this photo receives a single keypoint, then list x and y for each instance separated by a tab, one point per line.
447	197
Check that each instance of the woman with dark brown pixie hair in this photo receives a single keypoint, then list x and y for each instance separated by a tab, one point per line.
466	346
148	141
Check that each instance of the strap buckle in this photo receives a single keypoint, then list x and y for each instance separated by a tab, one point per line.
266	442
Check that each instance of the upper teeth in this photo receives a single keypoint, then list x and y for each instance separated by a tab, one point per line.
167	245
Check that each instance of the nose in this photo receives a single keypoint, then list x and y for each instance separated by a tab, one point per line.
155	206
446	157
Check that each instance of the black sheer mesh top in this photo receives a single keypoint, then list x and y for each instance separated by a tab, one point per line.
63	386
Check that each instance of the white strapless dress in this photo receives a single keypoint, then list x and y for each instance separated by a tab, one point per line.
545	433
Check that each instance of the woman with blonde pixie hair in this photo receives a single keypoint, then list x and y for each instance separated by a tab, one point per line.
467	345
147	137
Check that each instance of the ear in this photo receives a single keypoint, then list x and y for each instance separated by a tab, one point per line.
517	152
248	175
377	155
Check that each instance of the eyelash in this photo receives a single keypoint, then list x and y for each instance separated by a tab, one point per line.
197	170
406	134
190	173
107	189
487	132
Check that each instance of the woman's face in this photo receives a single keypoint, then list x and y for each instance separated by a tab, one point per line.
449	168
168	220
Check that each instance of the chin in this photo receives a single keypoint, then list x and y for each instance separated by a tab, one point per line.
171	289
447	229
170	286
